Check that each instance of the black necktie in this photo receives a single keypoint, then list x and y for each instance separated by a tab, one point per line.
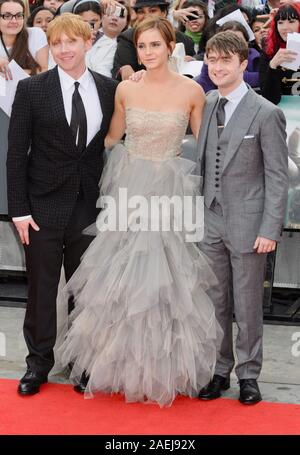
221	115
78	119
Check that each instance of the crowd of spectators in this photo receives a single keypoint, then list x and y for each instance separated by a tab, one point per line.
23	26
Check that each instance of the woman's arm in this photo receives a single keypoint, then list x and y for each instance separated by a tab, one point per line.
117	124
198	102
42	57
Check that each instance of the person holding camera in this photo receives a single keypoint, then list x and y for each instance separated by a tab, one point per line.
194	20
100	57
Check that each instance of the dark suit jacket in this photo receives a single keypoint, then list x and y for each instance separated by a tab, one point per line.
276	82
45	181
126	52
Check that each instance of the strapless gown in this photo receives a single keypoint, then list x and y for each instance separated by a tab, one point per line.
143	324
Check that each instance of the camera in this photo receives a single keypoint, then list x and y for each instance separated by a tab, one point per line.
119	11
192	18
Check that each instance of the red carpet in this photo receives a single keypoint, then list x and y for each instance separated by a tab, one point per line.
59	410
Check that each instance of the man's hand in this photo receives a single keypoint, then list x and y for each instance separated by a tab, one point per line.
263	245
137	76
126	71
23	229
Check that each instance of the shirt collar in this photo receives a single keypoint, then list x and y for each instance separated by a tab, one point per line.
67	81
237	94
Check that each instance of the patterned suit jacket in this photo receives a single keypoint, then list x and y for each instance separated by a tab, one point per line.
45	171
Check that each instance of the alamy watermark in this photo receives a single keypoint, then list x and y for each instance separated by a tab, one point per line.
296	85
2	345
154	213
2	86
296	346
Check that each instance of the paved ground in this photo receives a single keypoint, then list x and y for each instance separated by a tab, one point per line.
279	380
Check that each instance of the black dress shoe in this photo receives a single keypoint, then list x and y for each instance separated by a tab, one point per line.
80	388
214	388
30	383
249	391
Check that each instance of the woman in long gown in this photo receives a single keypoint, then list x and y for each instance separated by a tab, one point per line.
143	324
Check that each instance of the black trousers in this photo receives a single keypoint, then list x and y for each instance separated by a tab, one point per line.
48	249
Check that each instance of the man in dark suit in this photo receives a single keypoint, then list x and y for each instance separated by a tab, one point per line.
125	61
55	157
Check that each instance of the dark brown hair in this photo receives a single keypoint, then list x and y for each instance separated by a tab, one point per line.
161	24
235	26
20	50
226	43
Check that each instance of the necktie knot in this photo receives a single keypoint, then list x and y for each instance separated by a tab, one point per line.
76	85
222	102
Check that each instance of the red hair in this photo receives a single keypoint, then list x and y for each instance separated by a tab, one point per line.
274	41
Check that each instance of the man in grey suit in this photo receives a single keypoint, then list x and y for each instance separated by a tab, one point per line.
243	160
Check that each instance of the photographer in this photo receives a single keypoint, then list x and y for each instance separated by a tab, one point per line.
100	57
194	20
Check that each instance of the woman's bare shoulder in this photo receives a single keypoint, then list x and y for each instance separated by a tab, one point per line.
192	89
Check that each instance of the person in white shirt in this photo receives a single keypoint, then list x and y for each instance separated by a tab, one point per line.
61	118
100	57
28	47
41	17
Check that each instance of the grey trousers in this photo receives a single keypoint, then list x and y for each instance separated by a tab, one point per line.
245	272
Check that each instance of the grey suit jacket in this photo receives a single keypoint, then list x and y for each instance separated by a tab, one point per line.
254	179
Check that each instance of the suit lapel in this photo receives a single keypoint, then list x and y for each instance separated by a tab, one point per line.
244	116
57	104
206	121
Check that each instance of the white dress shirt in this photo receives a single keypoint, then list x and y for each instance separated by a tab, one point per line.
234	99
89	94
100	57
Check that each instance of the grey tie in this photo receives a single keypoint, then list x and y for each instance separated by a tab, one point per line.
221	115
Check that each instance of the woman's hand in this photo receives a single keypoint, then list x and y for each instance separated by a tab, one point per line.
4	69
283	55
181	15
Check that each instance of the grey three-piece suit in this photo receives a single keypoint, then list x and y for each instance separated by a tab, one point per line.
245	189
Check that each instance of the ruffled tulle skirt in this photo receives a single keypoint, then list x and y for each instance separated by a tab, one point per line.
143	324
